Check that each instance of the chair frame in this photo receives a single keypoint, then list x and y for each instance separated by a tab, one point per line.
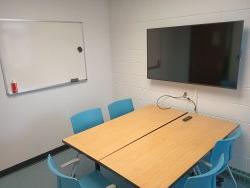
210	175
224	146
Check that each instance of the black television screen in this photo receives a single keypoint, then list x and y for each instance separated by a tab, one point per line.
206	54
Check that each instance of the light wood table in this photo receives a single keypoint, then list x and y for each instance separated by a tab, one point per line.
109	137
160	158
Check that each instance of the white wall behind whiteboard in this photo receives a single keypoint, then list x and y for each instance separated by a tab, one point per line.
36	122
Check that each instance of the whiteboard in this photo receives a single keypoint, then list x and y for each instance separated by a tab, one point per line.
41	54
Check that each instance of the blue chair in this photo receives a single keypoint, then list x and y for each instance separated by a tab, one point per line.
224	147
119	108
206	180
86	119
93	180
81	122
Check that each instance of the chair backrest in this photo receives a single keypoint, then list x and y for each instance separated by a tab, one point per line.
63	181
206	180
224	147
120	107
86	119
236	134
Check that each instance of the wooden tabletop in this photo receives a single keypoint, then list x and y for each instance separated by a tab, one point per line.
160	158
111	136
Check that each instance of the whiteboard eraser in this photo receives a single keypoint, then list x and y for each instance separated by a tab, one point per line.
74	80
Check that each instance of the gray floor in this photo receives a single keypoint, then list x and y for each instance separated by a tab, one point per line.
38	175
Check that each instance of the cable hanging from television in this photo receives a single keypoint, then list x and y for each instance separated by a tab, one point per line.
184	96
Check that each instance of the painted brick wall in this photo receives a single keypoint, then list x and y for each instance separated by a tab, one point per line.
128	23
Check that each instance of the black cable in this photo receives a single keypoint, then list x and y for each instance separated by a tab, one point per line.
190	100
174	97
157	103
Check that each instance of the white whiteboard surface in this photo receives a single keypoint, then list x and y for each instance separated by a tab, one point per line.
41	54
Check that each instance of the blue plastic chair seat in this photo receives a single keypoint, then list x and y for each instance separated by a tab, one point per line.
94	180
223	147
85	120
181	182
206	180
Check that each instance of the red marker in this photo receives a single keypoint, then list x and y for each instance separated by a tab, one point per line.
14	87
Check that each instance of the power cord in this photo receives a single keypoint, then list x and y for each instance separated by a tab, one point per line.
184	96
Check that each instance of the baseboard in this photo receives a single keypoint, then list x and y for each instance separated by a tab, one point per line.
32	160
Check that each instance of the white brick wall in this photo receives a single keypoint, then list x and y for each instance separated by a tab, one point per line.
129	21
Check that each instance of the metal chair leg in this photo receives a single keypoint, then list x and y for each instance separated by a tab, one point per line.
219	180
231	174
198	169
195	172
74	168
97	167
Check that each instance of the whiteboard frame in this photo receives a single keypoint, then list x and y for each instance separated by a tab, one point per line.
52	86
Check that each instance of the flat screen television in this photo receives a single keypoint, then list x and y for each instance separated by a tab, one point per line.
206	54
